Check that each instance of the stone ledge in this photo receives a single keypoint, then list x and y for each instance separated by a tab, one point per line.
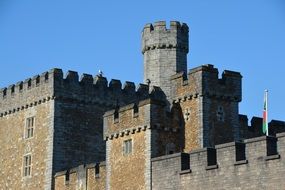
272	157
241	162
167	157
212	167
185	172
61	173
280	135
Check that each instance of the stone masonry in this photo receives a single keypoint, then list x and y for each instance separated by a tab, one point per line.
179	129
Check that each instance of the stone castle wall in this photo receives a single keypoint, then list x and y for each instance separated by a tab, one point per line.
254	164
200	95
69	123
33	97
91	176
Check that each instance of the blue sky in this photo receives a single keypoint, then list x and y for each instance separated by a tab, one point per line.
85	36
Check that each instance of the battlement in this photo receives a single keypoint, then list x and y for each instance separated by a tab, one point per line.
93	174
53	84
158	36
254	129
204	81
136	117
227	164
161	26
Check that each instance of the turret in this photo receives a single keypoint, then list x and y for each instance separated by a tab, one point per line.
165	53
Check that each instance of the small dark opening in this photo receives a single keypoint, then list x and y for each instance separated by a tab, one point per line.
21	86
271	145
136	109
211	157
29	83
116	114
37	80
97	170
240	151
5	92
67	176
12	89
46	76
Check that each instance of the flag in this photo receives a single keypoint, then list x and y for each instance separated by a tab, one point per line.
265	115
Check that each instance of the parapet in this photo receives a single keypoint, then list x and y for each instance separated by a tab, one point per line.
90	175
27	93
235	162
204	81
139	116
157	36
254	129
86	88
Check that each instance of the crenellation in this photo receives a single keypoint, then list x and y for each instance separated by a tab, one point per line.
90	89
231	158
100	82
44	77
35	80
10	90
72	77
142	90
159	25
115	85
148	28
27	84
86	79
178	129
228	87
129	87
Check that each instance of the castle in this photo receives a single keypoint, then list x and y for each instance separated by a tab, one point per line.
177	130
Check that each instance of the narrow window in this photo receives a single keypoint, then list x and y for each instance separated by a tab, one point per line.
116	116
27	162
66	181
21	86
4	92
128	147
29	83
169	148
187	114
97	170
13	89
30	123
38	80
46	76
135	111
220	114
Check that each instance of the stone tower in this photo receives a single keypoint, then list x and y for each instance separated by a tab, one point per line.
165	53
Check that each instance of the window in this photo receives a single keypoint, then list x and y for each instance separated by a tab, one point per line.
187	114
29	131
29	83
116	115
128	146
135	111
220	114
97	170
27	162
169	148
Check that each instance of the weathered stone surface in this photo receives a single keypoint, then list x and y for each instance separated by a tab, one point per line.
82	121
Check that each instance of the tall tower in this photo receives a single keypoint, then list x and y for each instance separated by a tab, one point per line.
165	53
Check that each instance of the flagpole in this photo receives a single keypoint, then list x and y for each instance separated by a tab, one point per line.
266	99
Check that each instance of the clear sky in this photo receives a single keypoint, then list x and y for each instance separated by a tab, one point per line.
85	36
